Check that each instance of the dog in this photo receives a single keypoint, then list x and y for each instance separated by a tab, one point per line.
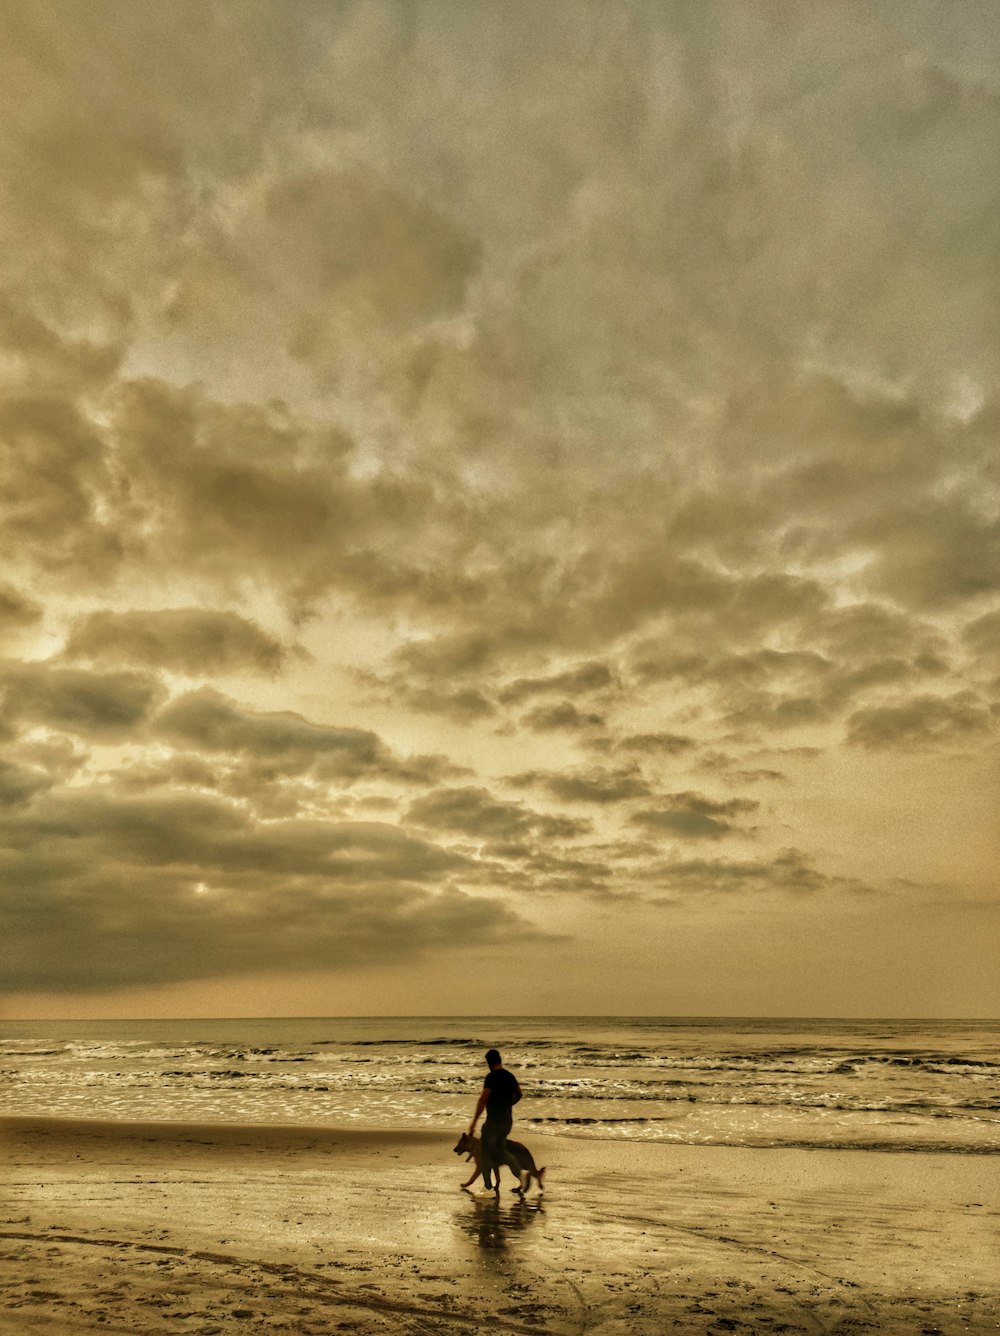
471	1148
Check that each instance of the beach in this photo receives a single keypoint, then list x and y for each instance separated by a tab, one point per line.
166	1227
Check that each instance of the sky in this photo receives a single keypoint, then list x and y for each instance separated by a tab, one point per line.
499	508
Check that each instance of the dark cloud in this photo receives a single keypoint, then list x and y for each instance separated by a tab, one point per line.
448	655
657	744
17	611
730	671
936	551
264	748
194	641
55	475
107	706
785	689
268	787
475	812
693	816
721	763
18	783
540	871
233	493
845	685
228	488
789	872
922	721
180	770
864	631
51	753
586	677
41	358
464	704
707	606
211	722
564	716
509	851
982	636
596	785
770	711
108	891
354	237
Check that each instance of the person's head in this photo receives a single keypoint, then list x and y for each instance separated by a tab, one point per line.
493	1059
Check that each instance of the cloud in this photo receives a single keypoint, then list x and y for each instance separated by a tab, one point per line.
982	637
50	753
18	783
596	785
353	237
693	816
541	871
467	651
244	493
564	716
721	763
40	358
229	484
921	722
213	723
657	744
586	677
464	704
789	872
867	630
108	891
17	611
792	688
194	641
937	552
54	475
622	388
97	705
475	812
267	788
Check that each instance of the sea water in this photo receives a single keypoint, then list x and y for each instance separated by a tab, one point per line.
887	1084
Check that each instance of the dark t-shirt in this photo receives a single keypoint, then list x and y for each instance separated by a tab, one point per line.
504	1094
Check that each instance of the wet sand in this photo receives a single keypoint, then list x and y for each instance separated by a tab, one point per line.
170	1227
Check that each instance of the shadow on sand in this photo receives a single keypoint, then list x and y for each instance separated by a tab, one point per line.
493	1224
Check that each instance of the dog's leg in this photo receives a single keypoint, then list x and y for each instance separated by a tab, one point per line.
478	1169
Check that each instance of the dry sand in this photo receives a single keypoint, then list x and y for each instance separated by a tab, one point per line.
168	1227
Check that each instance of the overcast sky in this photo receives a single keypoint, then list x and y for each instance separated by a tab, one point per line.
500	507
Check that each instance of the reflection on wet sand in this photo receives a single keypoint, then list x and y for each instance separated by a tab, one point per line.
493	1225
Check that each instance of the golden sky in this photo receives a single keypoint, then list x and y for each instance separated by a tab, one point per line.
500	507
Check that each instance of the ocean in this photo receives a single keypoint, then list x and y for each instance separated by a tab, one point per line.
864	1085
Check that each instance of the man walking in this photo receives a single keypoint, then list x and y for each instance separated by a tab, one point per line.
500	1093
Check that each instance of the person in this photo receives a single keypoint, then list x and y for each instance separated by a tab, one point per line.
499	1095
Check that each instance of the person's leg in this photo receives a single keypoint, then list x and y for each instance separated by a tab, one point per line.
486	1164
499	1153
490	1153
502	1154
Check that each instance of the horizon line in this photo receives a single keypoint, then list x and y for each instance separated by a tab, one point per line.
494	1016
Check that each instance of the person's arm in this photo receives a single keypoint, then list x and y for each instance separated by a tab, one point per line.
483	1100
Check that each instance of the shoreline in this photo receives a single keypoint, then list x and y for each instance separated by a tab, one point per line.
155	1228
157	1127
